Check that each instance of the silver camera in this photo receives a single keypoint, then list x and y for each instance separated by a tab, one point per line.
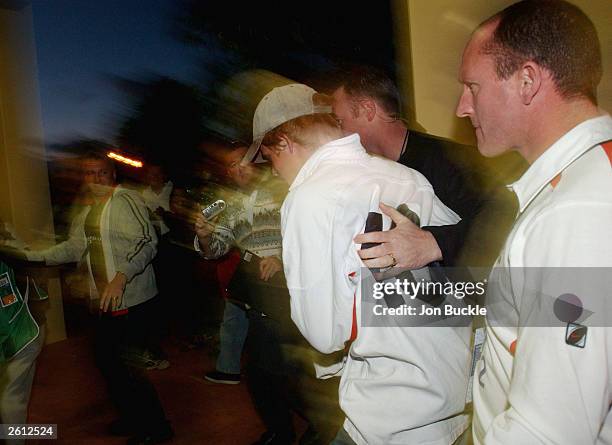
213	209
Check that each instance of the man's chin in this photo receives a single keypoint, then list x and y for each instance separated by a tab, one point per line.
100	191
490	152
487	150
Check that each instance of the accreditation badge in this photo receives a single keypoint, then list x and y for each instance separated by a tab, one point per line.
576	335
7	293
477	344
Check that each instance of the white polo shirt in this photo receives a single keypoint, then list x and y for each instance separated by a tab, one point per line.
399	385
532	384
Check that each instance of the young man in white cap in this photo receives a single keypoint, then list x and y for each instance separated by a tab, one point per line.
399	385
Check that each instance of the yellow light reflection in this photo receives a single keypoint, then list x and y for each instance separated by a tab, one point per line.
125	160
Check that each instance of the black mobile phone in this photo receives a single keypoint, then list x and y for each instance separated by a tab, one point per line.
213	209
374	223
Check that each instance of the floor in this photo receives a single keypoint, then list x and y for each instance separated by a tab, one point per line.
69	391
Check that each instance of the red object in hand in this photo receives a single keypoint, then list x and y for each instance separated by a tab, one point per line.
225	271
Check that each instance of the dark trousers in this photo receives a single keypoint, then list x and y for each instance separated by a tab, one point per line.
267	375
130	390
281	380
162	306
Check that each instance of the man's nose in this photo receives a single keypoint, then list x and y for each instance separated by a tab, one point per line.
464	107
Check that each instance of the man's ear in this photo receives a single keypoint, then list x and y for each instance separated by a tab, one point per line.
530	81
368	107
285	144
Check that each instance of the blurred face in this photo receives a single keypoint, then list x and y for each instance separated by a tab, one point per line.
182	205
241	175
287	158
491	104
98	176
344	109
278	158
156	177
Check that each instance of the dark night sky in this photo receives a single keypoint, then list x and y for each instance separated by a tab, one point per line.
82	44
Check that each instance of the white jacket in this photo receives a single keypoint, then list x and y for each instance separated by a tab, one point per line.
399	385
129	244
534	387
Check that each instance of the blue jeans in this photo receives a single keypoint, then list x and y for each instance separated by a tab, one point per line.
232	334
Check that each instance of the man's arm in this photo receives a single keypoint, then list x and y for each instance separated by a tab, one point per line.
464	191
442	163
477	239
410	246
448	241
269	266
130	220
319	257
212	240
71	250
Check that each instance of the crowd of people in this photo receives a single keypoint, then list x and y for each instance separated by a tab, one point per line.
335	191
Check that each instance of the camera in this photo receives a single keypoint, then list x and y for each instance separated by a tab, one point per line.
214	209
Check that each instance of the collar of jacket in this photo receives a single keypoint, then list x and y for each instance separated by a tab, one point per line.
345	149
559	156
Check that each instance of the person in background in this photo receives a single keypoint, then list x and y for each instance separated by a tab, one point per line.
251	222
156	196
116	238
367	102
235	324
22	330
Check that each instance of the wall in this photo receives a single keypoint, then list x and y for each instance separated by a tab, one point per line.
430	40
25	201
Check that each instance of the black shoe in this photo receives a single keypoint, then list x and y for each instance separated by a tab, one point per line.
121	427
222	377
159	436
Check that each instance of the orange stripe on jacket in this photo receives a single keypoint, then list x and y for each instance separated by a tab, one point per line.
607	146
555	180
354	324
513	348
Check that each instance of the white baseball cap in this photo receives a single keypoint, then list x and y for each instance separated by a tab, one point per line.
277	107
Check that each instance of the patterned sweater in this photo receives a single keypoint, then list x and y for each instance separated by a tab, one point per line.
250	222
